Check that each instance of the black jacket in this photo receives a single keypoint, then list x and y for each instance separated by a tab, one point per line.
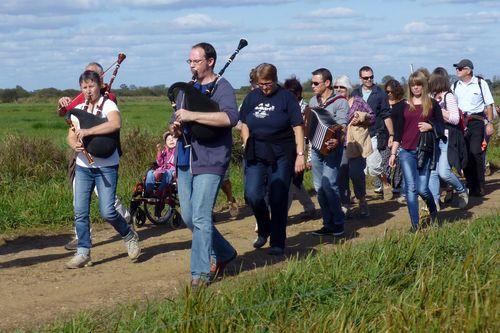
379	103
457	150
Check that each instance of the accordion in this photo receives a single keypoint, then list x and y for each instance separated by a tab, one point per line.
102	146
320	127
195	100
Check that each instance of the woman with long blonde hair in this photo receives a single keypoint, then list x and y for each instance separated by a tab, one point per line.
417	127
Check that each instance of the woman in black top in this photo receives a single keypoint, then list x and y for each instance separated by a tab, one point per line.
274	147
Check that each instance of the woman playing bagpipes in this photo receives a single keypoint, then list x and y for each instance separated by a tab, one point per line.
93	171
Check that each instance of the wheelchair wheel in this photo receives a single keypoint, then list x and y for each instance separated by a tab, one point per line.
138	217
176	221
158	214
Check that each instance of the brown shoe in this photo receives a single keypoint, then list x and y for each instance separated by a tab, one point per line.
217	268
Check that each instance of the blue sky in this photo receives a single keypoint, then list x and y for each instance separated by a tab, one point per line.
46	43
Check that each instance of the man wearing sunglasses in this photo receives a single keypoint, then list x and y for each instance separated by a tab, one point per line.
325	168
381	131
475	101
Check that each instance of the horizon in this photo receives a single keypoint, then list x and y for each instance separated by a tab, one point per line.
47	44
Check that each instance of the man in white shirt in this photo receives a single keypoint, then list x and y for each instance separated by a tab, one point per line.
476	102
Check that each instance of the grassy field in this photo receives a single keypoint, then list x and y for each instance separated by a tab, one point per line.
34	190
441	280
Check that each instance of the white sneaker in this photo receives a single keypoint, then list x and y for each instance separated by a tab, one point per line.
78	261
133	248
463	199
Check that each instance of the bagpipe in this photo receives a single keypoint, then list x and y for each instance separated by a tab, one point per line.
320	127
103	145
194	100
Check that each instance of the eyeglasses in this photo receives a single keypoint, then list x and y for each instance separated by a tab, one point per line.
265	84
366	78
339	87
461	68
314	83
196	61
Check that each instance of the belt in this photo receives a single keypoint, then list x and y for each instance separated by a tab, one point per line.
475	116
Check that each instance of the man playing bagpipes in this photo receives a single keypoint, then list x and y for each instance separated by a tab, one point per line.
95	139
202	161
65	104
326	158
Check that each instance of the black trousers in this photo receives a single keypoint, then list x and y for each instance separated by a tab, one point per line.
474	171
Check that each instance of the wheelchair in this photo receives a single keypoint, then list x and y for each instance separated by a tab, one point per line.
159	207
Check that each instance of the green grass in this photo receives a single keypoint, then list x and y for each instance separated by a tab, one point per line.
41	178
442	280
33	161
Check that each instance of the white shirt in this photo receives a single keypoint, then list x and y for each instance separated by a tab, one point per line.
114	159
469	96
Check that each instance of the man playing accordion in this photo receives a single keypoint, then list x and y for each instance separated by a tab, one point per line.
325	167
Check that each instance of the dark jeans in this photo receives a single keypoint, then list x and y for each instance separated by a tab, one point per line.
257	175
474	171
352	169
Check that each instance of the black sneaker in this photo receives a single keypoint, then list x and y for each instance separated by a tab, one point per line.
338	230
259	242
324	231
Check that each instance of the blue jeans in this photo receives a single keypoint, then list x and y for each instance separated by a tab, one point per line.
105	180
197	194
274	180
416	183
353	169
325	172
443	171
166	178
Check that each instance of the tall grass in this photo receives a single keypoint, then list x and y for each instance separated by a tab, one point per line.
35	190
444	280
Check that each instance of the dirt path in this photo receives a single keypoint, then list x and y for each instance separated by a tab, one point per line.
35	288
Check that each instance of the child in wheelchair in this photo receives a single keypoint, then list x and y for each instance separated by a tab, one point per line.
155	198
163	175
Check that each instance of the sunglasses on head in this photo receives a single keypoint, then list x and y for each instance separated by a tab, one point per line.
366	78
314	83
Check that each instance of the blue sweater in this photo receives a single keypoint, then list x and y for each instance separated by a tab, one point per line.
213	158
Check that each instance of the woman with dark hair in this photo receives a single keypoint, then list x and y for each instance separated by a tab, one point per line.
274	148
396	95
103	173
417	126
439	87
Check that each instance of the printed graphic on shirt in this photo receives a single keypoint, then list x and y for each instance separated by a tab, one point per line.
262	110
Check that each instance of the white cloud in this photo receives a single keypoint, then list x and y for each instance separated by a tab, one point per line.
194	4
18	22
337	12
198	21
51	7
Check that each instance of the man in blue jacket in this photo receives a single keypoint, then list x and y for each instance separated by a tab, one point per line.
381	132
201	166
